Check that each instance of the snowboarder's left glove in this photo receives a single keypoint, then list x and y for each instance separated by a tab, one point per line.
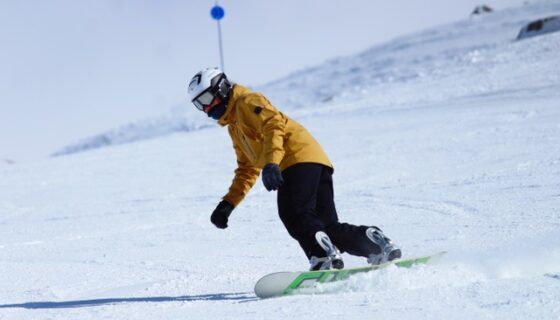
272	177
221	214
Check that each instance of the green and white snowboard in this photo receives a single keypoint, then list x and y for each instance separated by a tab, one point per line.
285	283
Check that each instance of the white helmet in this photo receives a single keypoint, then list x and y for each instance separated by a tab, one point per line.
206	86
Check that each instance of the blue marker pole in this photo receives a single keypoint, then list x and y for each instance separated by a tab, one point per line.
217	14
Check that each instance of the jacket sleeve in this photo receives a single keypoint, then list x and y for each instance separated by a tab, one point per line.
244	179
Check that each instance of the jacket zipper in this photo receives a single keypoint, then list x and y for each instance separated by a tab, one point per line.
248	147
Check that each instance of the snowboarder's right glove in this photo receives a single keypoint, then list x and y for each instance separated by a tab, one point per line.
221	214
272	177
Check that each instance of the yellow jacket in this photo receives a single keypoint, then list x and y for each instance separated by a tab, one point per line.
261	135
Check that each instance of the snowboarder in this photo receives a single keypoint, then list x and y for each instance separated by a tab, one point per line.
291	162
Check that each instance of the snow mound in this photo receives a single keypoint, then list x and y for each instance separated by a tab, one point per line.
435	54
176	121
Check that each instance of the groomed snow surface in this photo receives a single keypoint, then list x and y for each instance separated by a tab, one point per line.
448	139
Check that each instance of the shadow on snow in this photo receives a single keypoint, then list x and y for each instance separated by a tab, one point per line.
241	297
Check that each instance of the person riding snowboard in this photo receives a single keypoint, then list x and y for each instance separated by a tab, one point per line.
293	163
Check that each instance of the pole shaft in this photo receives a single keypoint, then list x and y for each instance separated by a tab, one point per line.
221	49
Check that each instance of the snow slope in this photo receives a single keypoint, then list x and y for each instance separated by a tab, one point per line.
455	146
430	55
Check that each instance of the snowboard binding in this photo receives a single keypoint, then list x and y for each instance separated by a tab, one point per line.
388	251
333	258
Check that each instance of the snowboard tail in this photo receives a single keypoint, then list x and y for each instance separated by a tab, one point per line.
284	283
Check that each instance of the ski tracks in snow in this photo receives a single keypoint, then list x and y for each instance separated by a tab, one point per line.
439	207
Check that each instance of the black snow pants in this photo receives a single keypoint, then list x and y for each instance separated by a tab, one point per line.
306	206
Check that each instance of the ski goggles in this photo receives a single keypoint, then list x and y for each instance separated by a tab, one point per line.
204	100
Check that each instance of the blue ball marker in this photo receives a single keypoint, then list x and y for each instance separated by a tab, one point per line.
217	12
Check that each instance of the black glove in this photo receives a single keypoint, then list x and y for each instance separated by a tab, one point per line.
221	214
271	176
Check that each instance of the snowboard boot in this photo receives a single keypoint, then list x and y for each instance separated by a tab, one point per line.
333	260
388	250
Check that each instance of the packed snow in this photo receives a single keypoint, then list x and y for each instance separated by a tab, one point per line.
448	139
